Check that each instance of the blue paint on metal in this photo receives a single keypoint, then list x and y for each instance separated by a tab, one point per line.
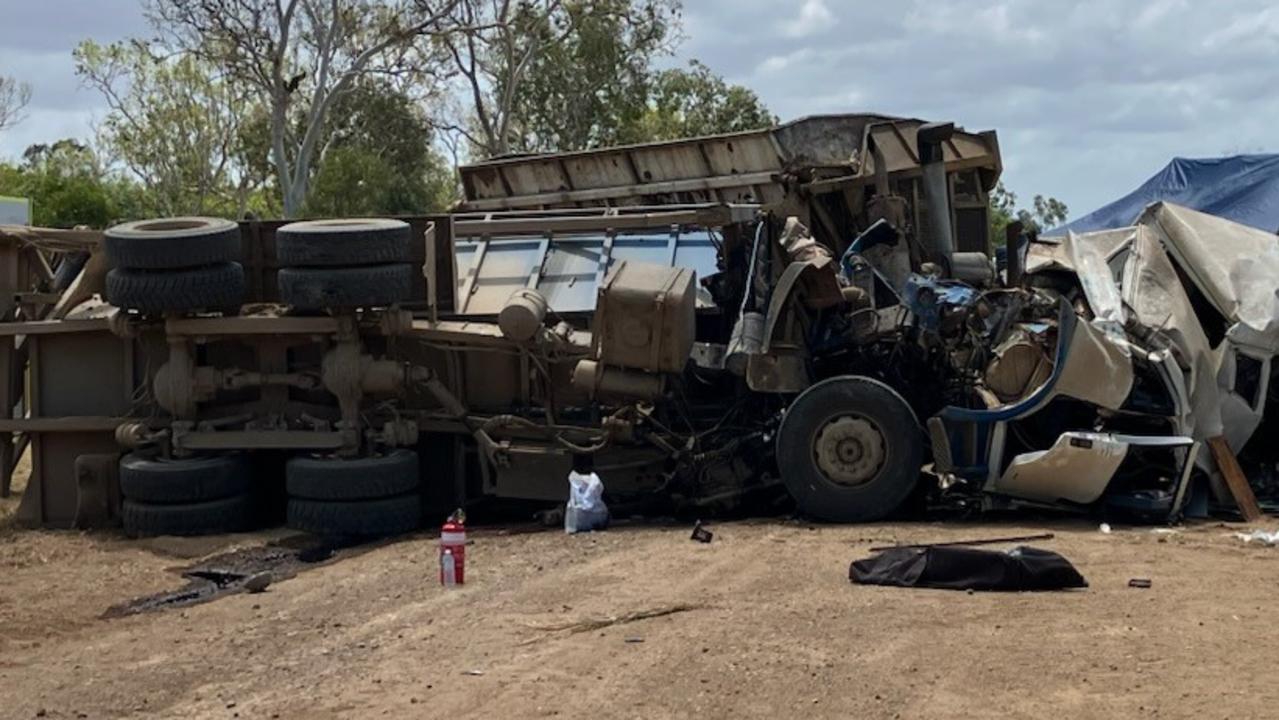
928	298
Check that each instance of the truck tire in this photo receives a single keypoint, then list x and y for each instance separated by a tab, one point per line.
342	243
850	450
188	480
216	287
171	243
364	518
351	287
394	473
233	514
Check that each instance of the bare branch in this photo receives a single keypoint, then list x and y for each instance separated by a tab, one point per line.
302	56
14	97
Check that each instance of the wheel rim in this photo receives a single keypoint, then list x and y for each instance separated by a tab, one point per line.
849	450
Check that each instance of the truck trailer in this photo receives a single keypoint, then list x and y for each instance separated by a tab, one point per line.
803	314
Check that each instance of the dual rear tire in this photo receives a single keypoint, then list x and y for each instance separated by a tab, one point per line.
189	496
179	265
359	497
345	264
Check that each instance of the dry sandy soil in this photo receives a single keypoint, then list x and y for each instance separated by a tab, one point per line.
774	629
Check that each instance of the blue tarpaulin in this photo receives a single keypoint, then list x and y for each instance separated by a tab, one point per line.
1243	188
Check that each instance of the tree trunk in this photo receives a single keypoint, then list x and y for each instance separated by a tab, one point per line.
295	195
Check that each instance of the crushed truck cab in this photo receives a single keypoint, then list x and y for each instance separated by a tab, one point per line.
803	312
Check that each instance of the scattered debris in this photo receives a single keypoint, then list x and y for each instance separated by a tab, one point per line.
1139	583
258	583
590	624
585	509
1235	480
1104	528
1260	536
634	640
701	534
552	517
473	673
957	568
246	570
969	543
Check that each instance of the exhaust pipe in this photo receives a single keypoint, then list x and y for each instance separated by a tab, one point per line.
932	158
1012	254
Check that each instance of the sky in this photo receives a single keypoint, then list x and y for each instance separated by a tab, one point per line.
1090	97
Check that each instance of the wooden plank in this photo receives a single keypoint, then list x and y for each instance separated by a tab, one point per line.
1235	479
37	298
42	266
92	279
51	327
70	423
53	238
8	460
11	364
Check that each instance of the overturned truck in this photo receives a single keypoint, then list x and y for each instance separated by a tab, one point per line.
804	312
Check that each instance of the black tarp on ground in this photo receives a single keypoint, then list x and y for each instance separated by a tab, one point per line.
960	568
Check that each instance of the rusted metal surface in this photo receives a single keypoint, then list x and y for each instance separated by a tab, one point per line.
565	256
827	152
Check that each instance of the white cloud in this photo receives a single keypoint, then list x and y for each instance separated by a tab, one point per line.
774	64
1158	11
1255	30
36	39
1090	97
814	17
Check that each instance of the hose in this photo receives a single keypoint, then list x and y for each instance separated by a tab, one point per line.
499	421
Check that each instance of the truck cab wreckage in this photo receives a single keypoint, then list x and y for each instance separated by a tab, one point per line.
806	311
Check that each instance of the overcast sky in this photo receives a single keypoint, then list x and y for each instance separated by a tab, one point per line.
1090	97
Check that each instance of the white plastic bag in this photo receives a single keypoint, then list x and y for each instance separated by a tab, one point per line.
586	509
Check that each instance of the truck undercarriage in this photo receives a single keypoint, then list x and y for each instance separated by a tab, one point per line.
706	354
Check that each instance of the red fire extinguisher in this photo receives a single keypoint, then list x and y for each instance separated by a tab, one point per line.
453	549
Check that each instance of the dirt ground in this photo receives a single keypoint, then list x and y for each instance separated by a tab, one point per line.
769	627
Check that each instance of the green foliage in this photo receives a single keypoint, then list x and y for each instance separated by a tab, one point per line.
566	75
591	79
300	59
696	101
175	124
378	160
68	186
218	117
356	181
1045	213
